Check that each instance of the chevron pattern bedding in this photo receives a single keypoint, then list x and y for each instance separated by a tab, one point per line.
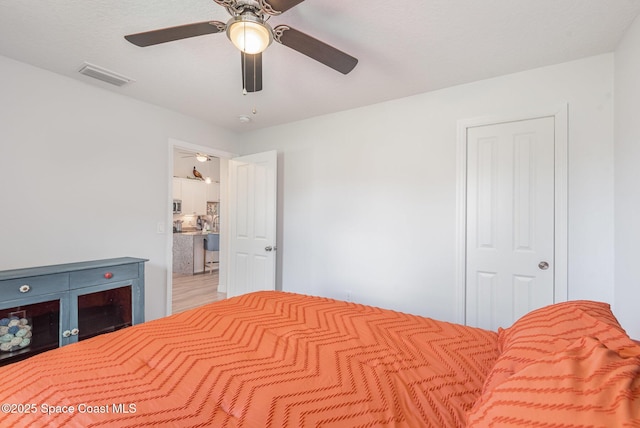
565	365
276	359
267	359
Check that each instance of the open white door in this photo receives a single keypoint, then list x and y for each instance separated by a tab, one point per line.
252	223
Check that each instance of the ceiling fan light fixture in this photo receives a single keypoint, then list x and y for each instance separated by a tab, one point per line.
249	33
201	158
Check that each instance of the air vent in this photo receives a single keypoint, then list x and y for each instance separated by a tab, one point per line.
104	75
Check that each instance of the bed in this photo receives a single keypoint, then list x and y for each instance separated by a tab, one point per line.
277	359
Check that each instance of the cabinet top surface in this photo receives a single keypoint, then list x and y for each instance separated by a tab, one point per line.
67	267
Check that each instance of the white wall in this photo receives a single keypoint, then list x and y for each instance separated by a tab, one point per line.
368	195
83	173
627	180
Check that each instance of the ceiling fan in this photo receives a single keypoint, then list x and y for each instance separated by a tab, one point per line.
200	157
249	31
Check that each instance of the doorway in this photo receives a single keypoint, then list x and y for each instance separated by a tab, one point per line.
197	180
511	217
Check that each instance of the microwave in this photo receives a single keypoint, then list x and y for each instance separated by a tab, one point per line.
177	206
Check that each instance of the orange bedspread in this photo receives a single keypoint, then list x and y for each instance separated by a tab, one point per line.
266	359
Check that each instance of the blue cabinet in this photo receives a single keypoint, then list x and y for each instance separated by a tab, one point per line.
46	307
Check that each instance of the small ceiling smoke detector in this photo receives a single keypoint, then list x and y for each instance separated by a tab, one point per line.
244	119
104	74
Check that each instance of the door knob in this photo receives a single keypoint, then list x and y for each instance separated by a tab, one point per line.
268	248
543	265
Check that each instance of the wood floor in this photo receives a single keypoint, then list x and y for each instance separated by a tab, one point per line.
190	291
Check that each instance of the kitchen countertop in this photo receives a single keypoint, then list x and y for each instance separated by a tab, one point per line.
194	232
188	252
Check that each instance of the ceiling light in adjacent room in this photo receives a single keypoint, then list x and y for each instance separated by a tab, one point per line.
244	119
201	158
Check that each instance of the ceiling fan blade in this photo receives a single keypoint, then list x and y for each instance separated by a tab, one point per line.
276	7
251	72
170	34
314	48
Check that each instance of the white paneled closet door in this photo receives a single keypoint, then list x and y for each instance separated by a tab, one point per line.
510	221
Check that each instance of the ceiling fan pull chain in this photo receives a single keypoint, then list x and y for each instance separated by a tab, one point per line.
244	38
244	60
244	73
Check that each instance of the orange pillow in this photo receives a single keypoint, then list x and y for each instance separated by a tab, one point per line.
586	384
561	319
552	329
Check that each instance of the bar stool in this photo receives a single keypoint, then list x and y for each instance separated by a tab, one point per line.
211	243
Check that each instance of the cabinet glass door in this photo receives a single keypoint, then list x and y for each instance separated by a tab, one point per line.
27	330
104	311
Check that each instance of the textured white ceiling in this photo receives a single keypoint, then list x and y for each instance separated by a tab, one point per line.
404	48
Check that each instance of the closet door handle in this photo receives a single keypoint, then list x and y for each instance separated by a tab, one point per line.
543	265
